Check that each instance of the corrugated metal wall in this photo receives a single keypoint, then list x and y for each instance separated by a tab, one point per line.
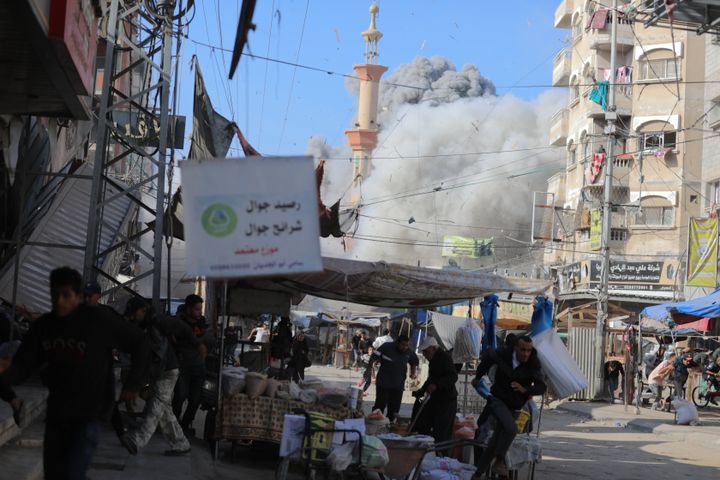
64	223
581	344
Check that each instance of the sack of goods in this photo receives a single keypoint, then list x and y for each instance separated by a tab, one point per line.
686	412
564	376
467	342
233	380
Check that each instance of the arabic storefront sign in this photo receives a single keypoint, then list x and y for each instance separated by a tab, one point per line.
702	252
625	277
636	276
248	217
595	229
454	246
144	130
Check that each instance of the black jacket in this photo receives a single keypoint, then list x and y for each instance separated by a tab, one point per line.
528	374
442	373
78	353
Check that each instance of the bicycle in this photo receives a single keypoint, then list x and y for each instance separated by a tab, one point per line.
703	393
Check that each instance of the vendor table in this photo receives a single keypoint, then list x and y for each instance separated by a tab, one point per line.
261	419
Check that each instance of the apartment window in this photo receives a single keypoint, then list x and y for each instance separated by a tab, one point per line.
572	154
664	68
715	193
661	216
652	141
574	89
577	28
618	235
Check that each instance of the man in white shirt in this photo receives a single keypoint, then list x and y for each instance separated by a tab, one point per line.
386	338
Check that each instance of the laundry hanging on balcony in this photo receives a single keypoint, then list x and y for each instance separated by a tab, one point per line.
597	165
598	20
599	94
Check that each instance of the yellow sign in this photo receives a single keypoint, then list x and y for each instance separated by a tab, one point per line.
454	246
595	229
703	252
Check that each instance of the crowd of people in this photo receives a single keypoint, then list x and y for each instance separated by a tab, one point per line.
517	377
75	349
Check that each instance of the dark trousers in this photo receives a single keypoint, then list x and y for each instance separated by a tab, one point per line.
612	385
502	437
68	449
437	418
367	378
679	387
390	399
188	387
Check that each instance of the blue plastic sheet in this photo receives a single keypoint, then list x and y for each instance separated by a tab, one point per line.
542	316
703	307
489	307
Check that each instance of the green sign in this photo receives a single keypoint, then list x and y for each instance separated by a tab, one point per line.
455	246
219	220
595	229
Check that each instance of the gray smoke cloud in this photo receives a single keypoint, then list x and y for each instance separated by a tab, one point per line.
429	177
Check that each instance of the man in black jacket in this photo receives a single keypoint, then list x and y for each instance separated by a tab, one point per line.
517	379
162	375
75	342
438	415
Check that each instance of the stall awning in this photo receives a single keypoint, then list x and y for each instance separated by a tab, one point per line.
685	312
399	286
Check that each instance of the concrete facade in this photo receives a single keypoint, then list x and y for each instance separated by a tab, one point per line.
658	162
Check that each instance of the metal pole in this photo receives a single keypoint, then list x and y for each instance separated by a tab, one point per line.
101	149
162	158
603	297
221	325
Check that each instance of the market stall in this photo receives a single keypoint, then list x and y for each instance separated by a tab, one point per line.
375	284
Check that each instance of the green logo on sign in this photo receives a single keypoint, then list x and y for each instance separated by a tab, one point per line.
219	220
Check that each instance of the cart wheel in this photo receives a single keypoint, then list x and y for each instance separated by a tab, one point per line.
699	397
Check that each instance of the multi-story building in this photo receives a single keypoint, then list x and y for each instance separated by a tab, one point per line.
657	162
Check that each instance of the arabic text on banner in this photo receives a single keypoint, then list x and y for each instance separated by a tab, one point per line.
249	217
595	229
703	252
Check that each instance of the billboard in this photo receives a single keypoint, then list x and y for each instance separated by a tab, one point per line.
250	217
467	247
702	252
653	278
595	229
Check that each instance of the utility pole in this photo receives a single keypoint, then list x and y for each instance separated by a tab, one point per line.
604	294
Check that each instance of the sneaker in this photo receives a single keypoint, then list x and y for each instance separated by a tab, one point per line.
176	453
129	444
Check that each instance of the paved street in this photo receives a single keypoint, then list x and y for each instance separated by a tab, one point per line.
577	448
616	445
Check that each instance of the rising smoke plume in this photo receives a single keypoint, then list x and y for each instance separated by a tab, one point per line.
429	142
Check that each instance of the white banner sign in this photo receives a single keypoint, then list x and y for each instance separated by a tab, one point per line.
249	217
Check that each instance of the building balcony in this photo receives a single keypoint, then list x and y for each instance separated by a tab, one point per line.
601	39
623	104
561	67
563	14
622	166
559	128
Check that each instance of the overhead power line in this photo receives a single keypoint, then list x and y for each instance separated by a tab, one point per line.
417	87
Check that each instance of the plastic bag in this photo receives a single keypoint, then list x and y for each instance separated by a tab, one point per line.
374	452
233	381
564	377
467	342
341	456
333	397
294	390
308	396
687	413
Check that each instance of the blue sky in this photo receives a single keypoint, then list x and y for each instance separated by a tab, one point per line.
511	42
